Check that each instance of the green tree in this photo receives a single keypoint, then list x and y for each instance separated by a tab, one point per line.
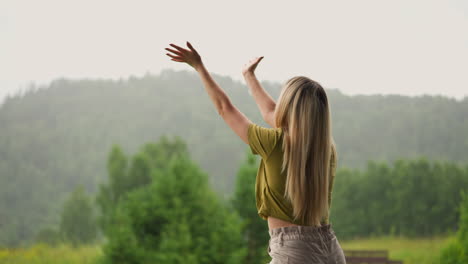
456	252
83	118
77	223
124	177
411	198
254	228
110	193
175	219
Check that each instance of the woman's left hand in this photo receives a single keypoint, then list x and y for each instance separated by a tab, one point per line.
251	66
191	57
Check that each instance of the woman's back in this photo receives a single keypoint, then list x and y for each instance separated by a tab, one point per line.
270	182
290	241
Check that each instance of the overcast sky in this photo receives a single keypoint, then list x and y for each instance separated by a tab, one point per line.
360	47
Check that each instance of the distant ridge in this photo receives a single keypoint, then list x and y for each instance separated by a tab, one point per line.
58	136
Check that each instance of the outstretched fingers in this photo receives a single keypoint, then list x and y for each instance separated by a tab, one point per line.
174	57
179	48
174	51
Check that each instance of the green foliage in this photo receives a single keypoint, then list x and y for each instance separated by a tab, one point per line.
175	219
463	223
77	224
254	228
408	250
124	178
55	137
121	246
456	252
42	253
110	193
453	253
412	198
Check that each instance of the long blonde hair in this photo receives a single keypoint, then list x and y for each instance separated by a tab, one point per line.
304	116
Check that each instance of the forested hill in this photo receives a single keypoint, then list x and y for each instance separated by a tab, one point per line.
56	137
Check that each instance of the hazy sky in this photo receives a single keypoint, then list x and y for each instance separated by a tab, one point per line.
360	47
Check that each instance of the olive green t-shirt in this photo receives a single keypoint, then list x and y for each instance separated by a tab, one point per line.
270	182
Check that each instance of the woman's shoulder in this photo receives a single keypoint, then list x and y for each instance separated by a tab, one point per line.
263	140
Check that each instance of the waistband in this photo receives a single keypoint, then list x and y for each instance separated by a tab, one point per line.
293	232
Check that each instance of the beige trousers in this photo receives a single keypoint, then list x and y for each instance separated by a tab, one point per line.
305	244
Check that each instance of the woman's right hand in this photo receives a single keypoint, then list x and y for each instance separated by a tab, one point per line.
250	67
191	56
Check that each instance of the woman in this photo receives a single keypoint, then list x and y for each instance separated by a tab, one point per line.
296	173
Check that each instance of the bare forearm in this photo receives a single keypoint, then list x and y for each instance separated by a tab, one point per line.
265	103
217	95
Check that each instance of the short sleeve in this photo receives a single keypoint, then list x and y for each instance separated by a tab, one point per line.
262	140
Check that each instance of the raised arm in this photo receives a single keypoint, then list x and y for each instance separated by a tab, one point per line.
264	101
235	119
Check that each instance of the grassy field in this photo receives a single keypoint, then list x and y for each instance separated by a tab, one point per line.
410	251
43	254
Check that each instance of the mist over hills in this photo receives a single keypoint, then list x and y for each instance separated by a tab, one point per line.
55	137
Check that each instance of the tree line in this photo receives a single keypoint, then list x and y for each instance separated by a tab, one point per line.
56	136
158	207
413	198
